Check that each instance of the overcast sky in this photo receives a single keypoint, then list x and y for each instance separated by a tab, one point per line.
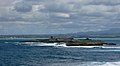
58	16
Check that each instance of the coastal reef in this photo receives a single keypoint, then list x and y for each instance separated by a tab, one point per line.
73	42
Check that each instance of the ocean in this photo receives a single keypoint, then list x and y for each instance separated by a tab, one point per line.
16	53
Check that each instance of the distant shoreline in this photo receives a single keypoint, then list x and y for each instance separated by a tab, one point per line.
48	37
58	35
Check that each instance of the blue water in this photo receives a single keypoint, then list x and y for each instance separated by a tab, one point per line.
15	53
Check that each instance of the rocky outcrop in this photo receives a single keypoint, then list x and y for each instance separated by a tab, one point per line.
73	42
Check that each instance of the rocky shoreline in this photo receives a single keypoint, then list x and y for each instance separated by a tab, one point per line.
73	42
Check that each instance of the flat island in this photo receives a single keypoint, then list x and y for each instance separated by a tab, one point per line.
73	42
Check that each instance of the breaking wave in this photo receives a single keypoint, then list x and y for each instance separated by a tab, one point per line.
64	45
87	64
42	44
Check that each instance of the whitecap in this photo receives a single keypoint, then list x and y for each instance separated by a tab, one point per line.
87	64
43	44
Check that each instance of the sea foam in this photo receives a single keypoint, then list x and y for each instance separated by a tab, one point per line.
87	64
64	45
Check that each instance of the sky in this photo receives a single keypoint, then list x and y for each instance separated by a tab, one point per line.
58	16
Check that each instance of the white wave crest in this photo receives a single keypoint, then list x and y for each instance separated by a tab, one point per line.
64	45
44	44
111	47
107	47
112	64
87	64
84	46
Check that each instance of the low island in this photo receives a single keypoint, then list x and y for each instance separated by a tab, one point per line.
73	42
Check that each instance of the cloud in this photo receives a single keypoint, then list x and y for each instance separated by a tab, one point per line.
60	15
57	7
6	2
105	2
22	7
54	16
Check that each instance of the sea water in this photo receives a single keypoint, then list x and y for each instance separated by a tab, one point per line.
13	52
